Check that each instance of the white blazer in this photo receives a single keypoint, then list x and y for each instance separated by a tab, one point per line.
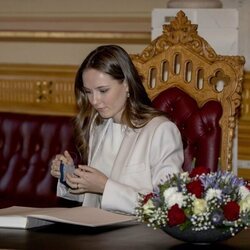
146	156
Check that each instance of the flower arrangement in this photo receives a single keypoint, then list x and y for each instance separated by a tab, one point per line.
199	201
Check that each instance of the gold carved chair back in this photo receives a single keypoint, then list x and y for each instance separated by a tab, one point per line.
180	60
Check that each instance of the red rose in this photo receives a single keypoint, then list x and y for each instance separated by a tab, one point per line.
231	210
176	216
199	171
248	185
147	197
196	188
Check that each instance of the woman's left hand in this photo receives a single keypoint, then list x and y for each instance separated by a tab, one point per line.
86	180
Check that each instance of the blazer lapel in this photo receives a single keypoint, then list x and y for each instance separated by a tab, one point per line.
123	155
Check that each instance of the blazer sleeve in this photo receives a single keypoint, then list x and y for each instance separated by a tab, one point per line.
166	154
165	157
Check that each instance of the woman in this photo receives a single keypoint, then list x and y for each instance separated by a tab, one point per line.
127	147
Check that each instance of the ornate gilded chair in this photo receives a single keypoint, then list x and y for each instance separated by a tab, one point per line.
199	90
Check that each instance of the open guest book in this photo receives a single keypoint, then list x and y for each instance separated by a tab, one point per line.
29	217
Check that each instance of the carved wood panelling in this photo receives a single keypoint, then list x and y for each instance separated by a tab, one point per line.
244	122
244	129
37	89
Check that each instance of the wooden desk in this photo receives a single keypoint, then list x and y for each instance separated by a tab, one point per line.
125	237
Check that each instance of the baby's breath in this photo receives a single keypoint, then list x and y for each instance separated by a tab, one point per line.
198	213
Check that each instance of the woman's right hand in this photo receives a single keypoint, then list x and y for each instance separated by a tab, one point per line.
64	158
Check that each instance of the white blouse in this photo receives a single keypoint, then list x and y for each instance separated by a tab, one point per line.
104	158
107	152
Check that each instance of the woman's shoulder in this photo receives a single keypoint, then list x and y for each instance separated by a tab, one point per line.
161	123
158	120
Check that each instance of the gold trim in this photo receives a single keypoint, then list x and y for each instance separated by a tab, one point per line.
39	70
83	19
76	37
244	172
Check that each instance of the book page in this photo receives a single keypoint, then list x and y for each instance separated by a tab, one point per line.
84	216
28	217
16	217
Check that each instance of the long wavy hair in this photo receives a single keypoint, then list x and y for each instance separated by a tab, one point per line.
114	61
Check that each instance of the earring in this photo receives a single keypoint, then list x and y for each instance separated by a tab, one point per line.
128	94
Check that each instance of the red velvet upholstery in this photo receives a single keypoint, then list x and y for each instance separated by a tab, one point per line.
199	127
27	145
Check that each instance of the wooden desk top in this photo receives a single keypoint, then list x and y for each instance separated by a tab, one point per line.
127	237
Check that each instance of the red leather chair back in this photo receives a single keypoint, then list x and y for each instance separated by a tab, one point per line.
27	145
199	127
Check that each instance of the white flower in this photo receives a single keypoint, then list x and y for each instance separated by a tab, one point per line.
245	204
184	175
244	192
213	193
177	198
148	207
169	192
199	206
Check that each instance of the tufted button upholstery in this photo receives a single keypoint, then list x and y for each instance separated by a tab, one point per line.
199	127
27	145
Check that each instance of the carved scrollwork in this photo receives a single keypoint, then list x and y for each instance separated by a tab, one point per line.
179	31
